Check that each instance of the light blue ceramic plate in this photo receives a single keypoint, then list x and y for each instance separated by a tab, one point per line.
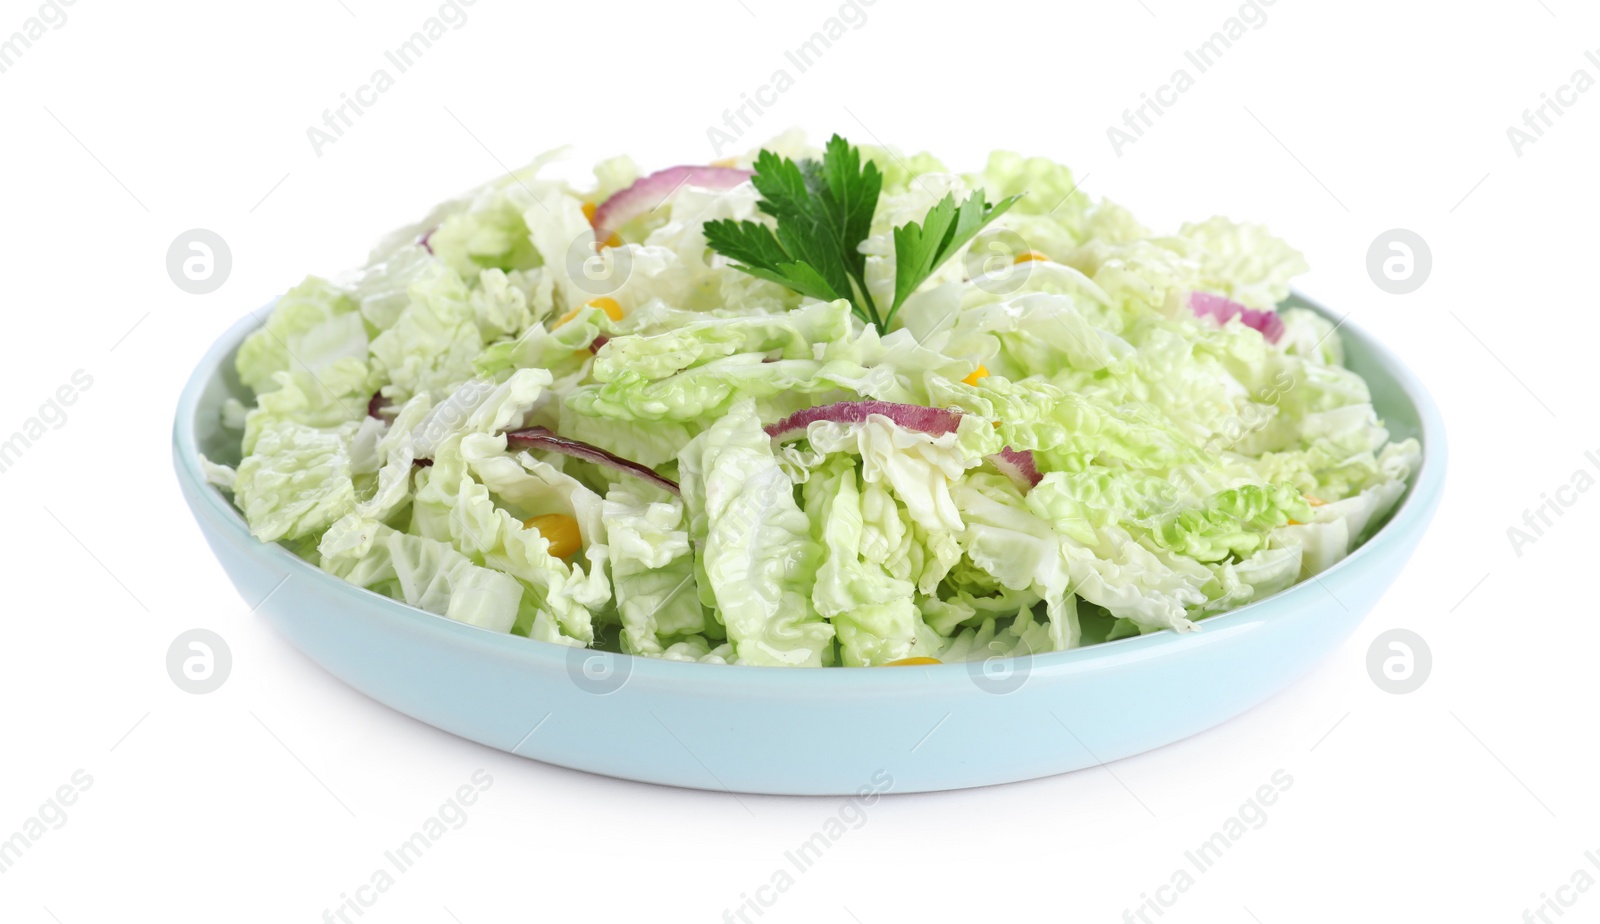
818	731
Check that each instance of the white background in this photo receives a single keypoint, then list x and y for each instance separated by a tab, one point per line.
264	801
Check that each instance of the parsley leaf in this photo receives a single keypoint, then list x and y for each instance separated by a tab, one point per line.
760	254
823	211
919	250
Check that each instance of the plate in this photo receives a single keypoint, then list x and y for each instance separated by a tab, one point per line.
810	731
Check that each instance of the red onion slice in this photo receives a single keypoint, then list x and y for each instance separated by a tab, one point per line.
1016	464
426	238
1205	304
934	420
648	193
549	441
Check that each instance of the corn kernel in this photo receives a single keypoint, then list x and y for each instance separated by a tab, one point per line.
612	240
981	372
1315	501
1028	255
725	162
559	530
907	662
608	305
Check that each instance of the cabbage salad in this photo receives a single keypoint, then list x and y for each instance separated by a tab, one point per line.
810	407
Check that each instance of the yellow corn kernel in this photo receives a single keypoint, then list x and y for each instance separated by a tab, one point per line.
982	372
1313	501
559	530
589	210
907	662
725	162
1028	255
608	305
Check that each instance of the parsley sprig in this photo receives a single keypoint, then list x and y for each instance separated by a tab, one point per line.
823	211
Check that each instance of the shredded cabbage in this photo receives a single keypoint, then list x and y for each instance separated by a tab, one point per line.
1189	466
